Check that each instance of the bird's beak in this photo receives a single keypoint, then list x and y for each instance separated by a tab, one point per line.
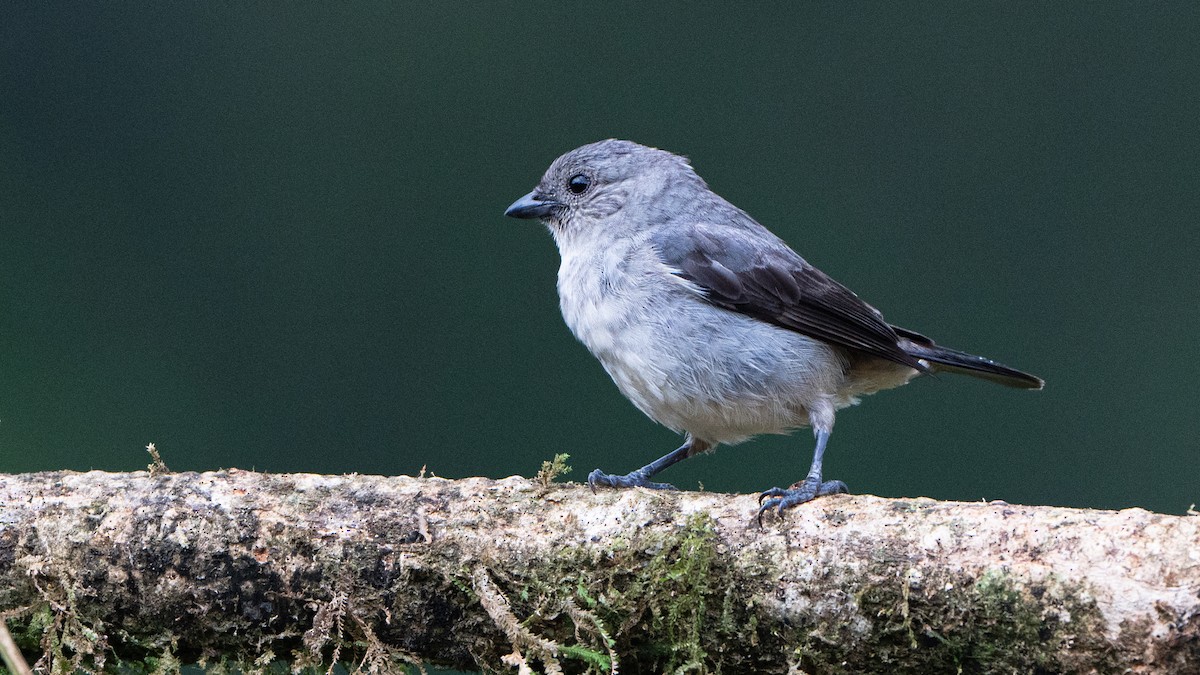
532	205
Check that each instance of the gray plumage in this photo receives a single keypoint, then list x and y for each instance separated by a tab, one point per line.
709	323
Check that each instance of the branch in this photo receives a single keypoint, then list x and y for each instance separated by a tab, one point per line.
99	569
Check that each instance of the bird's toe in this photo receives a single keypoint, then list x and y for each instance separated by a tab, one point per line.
633	479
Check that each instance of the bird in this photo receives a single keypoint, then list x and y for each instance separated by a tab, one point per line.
709	323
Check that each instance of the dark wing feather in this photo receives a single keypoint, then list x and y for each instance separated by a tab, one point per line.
747	269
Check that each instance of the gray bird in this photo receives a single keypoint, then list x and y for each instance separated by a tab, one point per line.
709	323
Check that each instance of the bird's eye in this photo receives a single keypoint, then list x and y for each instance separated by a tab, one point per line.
578	184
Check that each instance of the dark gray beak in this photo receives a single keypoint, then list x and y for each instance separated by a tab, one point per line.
532	205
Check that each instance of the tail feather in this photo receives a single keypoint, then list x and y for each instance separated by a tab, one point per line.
943	359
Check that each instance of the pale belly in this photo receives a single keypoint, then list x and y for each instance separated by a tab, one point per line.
718	375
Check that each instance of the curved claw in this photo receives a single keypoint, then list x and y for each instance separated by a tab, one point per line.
766	507
633	479
833	487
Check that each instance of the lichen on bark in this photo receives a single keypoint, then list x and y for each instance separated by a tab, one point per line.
248	571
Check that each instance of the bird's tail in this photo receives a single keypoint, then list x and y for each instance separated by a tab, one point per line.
942	359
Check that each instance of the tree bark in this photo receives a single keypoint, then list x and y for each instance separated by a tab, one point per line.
245	569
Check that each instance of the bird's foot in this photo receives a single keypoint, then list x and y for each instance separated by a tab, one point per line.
631	479
804	491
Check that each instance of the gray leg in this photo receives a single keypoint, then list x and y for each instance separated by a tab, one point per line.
808	489
641	477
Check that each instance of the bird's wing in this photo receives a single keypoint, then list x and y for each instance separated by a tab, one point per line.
745	268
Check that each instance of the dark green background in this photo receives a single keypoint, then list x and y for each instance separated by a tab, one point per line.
271	237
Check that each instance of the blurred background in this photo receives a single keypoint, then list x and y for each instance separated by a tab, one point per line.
271	237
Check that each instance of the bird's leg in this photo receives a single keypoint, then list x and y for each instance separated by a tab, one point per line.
806	490
641	477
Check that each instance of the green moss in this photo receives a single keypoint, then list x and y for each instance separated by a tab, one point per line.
955	625
684	577
1009	625
164	664
552	469
28	632
666	610
601	662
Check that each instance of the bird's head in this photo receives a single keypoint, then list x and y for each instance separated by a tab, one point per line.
596	182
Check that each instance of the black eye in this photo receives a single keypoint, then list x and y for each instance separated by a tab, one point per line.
578	184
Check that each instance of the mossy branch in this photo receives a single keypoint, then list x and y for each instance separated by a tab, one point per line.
256	571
